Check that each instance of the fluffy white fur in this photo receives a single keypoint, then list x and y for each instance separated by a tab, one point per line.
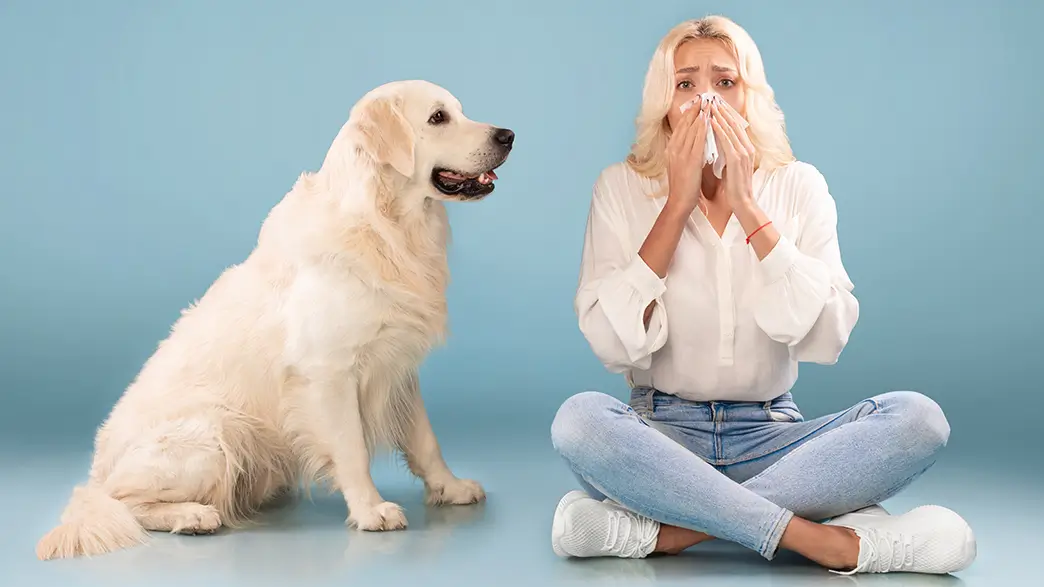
299	362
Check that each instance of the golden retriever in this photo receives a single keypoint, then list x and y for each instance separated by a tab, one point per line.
302	360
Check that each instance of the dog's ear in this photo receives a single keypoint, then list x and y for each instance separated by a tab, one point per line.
386	135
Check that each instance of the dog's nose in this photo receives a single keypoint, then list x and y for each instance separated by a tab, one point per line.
504	136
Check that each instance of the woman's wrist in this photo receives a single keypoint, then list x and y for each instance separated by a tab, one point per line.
757	226
749	214
677	210
658	248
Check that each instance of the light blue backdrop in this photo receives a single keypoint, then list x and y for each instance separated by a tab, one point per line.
143	143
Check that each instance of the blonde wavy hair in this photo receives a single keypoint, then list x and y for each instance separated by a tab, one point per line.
767	130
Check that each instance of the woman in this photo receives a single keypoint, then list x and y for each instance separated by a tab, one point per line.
706	287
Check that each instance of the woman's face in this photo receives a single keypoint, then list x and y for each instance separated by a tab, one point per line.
705	65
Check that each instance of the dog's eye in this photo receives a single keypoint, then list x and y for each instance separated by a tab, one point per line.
438	118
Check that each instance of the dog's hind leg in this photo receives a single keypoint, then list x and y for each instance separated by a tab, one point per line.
178	478
424	458
180	518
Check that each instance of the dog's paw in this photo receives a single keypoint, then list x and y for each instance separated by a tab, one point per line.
378	518
455	492
196	518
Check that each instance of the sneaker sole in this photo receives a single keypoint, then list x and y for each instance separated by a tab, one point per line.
558	524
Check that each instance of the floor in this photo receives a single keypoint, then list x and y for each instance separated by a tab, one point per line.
504	542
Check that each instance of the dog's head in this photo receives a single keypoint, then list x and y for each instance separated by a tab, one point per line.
418	130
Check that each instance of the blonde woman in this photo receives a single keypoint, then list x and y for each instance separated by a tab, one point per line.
706	286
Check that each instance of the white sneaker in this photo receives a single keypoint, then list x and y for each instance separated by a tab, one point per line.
871	510
585	527
929	539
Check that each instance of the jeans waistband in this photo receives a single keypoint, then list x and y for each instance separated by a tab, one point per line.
651	400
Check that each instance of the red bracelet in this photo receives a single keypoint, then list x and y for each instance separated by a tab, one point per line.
749	236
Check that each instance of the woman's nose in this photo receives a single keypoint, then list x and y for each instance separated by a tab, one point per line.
702	88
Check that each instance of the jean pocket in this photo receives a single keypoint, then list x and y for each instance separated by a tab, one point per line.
783	413
671	409
641	400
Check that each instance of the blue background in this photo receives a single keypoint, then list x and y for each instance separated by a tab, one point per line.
143	143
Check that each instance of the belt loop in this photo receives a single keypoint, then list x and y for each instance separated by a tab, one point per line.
650	404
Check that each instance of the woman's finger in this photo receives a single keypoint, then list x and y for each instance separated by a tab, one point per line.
730	131
700	122
725	144
679	138
699	139
738	127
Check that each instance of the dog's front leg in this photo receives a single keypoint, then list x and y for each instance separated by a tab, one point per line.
424	457
338	424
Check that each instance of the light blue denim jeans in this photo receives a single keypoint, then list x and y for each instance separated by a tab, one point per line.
740	471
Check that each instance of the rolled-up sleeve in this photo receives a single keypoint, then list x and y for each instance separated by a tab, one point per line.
806	299
616	287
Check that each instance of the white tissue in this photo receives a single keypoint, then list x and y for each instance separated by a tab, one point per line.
710	151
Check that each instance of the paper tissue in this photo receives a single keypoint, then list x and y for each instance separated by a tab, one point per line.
710	151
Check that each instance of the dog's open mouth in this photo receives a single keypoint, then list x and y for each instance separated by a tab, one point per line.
455	183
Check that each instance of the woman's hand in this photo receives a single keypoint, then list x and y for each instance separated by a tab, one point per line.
685	160
684	175
735	146
738	180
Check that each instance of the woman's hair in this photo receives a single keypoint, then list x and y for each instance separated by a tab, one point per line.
767	131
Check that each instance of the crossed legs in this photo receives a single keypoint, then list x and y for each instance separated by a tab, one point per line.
870	453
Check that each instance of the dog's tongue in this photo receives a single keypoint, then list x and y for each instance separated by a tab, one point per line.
487	177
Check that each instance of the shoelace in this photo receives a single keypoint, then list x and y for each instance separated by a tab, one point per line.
621	525
888	551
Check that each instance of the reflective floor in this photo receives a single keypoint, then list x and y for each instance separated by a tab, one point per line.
504	542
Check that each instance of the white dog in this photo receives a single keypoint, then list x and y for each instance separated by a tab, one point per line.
298	363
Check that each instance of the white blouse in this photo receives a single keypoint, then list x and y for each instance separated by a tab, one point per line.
725	326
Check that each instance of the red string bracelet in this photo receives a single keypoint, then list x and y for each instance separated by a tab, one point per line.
751	235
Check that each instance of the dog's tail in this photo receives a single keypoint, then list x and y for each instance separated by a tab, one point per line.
93	523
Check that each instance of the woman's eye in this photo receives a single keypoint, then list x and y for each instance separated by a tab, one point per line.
684	85
727	83
438	118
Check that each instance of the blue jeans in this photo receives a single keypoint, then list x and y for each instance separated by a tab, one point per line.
740	471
